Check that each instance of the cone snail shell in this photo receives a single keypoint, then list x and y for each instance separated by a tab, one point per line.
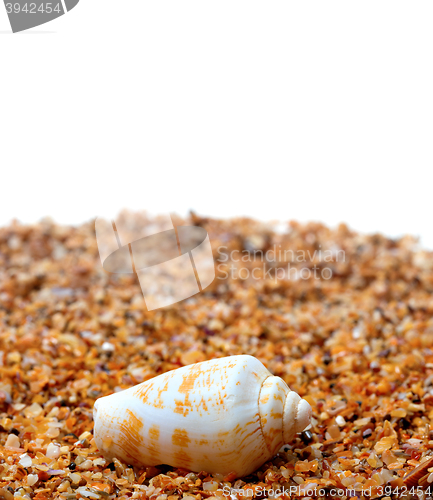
226	415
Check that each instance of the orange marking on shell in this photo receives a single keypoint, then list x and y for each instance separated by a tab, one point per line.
131	432
264	399
241	444
226	454
220	399
278	396
152	445
143	392
256	419
183	407
275	432
222	434
182	458
186	387
154	432
159	403
189	379
203	404
180	438
278	416
180	409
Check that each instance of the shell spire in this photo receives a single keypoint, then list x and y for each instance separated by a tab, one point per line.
296	417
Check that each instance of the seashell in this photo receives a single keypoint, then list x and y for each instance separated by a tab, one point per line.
226	415
418	475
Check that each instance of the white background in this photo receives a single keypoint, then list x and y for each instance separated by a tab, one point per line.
312	110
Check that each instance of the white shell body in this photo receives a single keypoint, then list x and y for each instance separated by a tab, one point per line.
226	415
